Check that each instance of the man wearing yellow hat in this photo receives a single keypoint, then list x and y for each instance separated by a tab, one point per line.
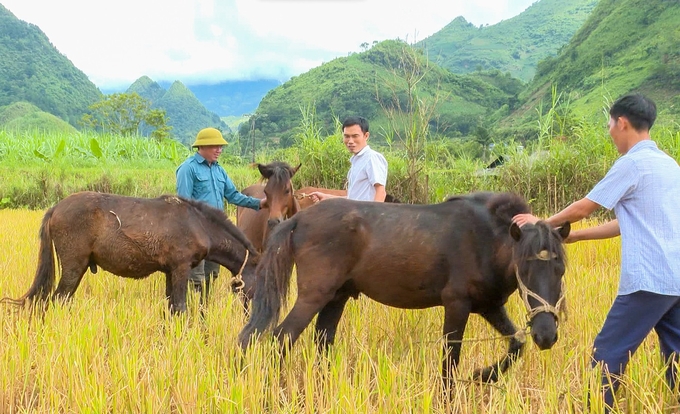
201	177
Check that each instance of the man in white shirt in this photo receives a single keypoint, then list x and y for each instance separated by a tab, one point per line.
367	176
643	189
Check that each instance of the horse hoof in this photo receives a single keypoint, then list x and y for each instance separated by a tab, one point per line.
486	375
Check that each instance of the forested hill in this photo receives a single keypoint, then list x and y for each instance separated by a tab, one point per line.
625	45
367	83
515	45
185	113
33	70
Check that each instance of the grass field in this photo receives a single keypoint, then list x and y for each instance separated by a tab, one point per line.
113	348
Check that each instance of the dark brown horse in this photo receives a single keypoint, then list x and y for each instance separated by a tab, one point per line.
302	195
463	254
280	203
134	237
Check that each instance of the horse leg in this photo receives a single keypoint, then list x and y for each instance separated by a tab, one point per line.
72	271
327	321
299	317
168	285
498	318
177	282
456	314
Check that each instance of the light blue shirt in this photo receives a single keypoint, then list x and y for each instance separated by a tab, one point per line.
210	184
368	169
643	188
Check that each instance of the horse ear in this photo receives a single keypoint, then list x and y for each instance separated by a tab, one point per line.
264	170
515	231
294	170
564	230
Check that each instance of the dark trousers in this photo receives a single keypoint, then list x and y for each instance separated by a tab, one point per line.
204	271
630	319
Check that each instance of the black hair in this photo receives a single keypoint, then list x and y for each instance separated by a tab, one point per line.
356	120
639	110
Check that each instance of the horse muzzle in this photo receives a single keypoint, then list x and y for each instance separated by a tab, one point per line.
544	330
272	222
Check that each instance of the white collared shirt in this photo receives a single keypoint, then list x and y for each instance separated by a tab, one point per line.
368	168
643	188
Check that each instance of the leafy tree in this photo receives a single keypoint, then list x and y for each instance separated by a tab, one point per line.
124	113
156	119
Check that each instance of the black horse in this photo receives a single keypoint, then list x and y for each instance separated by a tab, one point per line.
135	237
464	254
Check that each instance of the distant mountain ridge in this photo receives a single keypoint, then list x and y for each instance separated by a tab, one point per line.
231	98
515	45
227	98
624	46
186	114
32	70
366	83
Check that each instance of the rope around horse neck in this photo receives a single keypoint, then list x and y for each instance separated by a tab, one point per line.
237	282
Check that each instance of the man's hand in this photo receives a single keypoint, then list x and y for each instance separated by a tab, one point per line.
317	196
263	202
524	218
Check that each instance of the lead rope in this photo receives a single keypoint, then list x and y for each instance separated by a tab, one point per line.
237	282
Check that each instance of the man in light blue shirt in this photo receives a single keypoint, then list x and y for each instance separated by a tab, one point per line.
202	178
643	189
367	175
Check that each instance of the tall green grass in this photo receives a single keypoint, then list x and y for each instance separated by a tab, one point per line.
40	169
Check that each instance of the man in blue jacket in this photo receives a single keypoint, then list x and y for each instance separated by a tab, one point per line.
202	178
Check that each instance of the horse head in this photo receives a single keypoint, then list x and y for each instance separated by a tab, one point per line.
279	191
539	264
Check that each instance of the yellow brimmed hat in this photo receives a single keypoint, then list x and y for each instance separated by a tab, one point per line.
209	136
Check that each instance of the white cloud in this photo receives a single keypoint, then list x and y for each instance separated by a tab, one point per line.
116	41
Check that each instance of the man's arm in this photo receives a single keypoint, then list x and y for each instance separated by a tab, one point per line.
578	210
380	193
317	196
603	231
237	198
575	211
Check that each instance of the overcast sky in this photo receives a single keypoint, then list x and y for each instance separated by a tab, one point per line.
205	41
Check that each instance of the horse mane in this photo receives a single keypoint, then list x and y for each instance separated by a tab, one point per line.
282	171
215	215
504	206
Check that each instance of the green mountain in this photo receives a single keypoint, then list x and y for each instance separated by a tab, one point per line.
32	70
515	45
624	46
369	83
24	116
147	88
186	114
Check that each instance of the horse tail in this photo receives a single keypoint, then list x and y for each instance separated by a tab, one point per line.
44	275
272	282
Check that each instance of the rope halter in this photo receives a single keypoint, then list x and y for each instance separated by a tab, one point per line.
300	196
237	282
524	291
